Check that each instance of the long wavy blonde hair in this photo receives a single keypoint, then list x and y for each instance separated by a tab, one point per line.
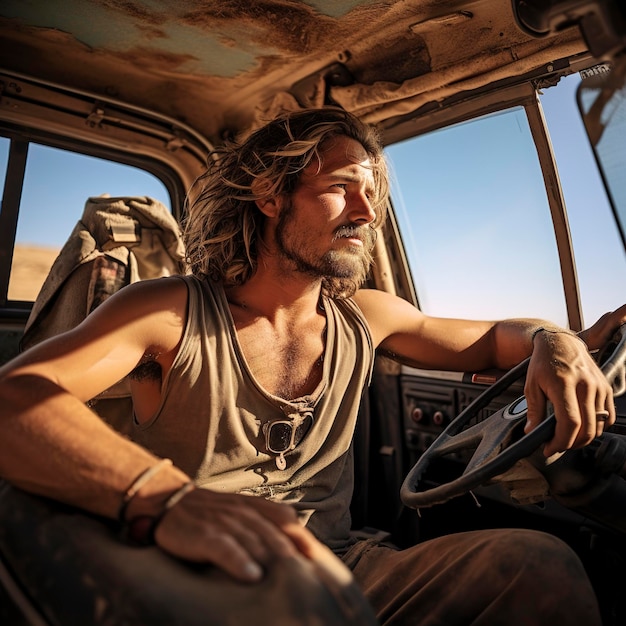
223	224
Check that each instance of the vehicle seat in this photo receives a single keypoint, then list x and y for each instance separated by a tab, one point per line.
116	242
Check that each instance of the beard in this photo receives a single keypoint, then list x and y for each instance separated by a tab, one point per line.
342	271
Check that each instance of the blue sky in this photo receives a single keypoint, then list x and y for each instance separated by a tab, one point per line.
474	206
601	259
58	183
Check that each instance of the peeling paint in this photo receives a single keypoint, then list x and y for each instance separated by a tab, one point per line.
234	58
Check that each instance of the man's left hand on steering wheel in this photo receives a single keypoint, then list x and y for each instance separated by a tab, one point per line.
562	371
565	374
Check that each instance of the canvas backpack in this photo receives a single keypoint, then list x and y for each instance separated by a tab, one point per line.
116	242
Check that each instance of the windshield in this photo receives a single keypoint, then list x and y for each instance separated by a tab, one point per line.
473	212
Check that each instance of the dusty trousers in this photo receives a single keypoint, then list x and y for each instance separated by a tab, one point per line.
507	577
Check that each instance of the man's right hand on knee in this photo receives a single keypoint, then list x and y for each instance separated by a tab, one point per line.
242	535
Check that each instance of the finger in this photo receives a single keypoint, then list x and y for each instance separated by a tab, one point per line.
611	408
601	421
599	410
230	555
303	539
537	403
265	538
256	539
609	405
285	516
328	566
587	402
207	544
605	416
568	424
240	535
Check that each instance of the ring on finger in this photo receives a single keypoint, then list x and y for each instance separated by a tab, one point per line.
602	416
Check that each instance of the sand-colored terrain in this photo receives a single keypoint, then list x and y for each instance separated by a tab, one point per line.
31	265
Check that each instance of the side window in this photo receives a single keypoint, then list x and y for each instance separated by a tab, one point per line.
475	221
598	249
56	185
473	213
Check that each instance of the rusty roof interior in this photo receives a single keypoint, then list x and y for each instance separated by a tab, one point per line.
219	67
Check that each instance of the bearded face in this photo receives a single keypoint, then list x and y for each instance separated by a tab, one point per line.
304	251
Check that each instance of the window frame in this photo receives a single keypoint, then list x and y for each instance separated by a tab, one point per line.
20	139
522	95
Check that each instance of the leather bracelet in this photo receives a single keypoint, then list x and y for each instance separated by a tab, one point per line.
140	530
177	496
137	484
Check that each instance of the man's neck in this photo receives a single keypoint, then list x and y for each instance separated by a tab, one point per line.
278	288
272	296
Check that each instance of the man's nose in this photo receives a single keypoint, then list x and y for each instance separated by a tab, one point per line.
361	211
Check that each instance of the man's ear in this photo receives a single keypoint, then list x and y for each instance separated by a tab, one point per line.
270	207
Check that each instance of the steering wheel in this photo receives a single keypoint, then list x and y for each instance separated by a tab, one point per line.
498	441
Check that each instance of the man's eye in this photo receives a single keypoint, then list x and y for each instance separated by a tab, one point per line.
343	186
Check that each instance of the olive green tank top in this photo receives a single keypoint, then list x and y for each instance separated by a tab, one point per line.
212	414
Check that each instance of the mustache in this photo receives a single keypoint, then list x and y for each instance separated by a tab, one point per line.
365	233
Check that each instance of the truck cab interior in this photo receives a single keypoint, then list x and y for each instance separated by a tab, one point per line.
503	122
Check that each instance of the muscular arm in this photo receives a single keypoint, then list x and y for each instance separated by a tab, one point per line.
413	338
561	369
52	444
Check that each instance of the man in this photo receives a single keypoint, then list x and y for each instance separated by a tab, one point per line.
247	374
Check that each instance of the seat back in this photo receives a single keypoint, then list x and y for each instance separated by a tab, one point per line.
116	242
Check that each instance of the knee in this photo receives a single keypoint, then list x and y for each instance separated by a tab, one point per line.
530	558
546	573
293	592
536	554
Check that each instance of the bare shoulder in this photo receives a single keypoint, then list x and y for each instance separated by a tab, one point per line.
173	286
387	314
367	298
376	302
158	293
145	317
147	307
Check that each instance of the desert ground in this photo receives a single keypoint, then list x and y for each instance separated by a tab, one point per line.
31	265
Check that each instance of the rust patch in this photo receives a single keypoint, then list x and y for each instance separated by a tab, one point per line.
138	13
216	64
150	32
151	59
283	25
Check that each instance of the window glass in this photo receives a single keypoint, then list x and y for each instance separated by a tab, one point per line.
474	216
599	253
4	160
57	184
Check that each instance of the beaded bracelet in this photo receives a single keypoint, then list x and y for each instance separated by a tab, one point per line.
137	484
141	529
